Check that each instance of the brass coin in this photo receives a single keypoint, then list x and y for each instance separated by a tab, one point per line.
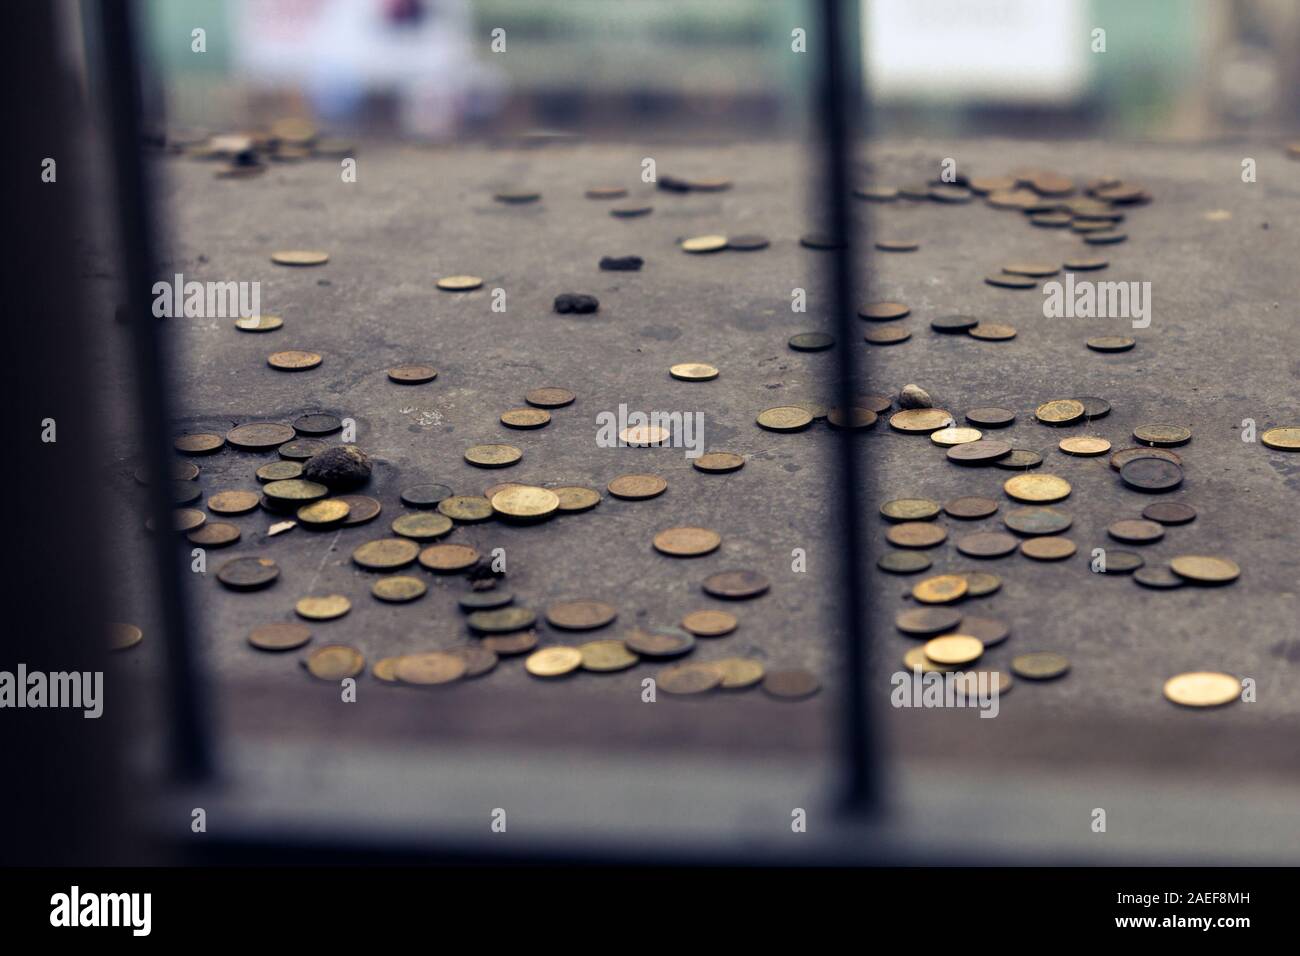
300	257
637	487
1151	474
1036	521
1047	548
687	542
1161	579
785	418
718	461
736	585
954	323
856	417
360	509
1035	269
876	193
1136	531
981	583
605	192
325	608
897	245
1084	263
517	197
525	418
910	509
987	544
1202	689
508	645
628	212
915	660
1122	457
1163	436
955	435
1094	407
398	588
1104	238
887	334
214	534
992	332
984	629
1005	280
607	656
1084	447
660	643
294	492
248	574
525	503
317	423
971	507
1111	343
819	240
555	661
916	534
698	244
643	436
991	184
259	436
293	360
980	452
991	417
188	519
1059	412
550	397
123	636
385	554
790	684
323	514
811	341
920	420
815	409
478	659
940	589
709	623
1282	439
385	669
301	449
581	615
279	471
279	637
484	600
199	443
1037	488
1169	512
502	620
412	374
927	621
420	525
967	682
739	672
954	649
1200	569
1019	459
469	508
425	496
693	372
689	679
883	311
1121	562
459	283
448	558
903	562
258	323
492	456
334	662
1040	665
430	669
576	498
233	502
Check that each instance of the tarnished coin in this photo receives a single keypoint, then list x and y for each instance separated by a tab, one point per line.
644	436
517	196
1136	531
188	519
459	283
718	461
1202	689
198	443
606	656
1163	436
279	637
248	574
659	643
1039	270
954	649
300	257
1161	579
876	193
233	502
317	423
1084	263
1094	407
334	662
701	244
1062	411
581	615
819	240
1037	488
258	323
1083	446
508	645
606	192
984	629
484	600
790	684
915	660
184	492
294	492
412	374
323	514
991	184
1119	562
323	607
920	420
910	509
815	409
903	562
883	311
689	678
629	212
1282	439
279	471
954	323
1040	665
478	659
785	418
1122	457
555	661
927	621
385	554
447	558
1151	474
293	360
854	418
1169	512
525	503
421	525
550	397
361	509
897	245
123	636
1202	569
991	417
693	372
1035	521
503	620
576	498
385	669
637	487
993	331
970	507
259	436
398	588
986	544
1111	343
916	534
492	456
1019	459
981	583
811	341
955	435
940	589
739	672
1006	280
525	418
687	542
887	334
1104	238
736	585
214	534
1047	548
466	508
982	452
425	496
431	669
709	623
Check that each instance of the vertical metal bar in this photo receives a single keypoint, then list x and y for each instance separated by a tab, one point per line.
838	102
189	743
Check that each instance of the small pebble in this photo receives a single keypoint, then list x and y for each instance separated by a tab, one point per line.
914	396
621	263
576	302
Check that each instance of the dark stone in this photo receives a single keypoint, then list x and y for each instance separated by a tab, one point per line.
576	302
340	468
621	263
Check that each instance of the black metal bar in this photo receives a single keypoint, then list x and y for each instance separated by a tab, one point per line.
838	102
189	740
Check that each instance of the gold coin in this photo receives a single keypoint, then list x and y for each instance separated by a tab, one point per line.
279	471
293	360
856	417
689	679
478	659
581	615
1041	665
259	436
199	443
687	542
736	585
279	637
360	509
549	396
525	418
459	283
430	669
919	420
693	372
421	525
555	661
1059	412
469	508
492	456
577	498
1203	569
954	649
1084	446
233	502
940	589
1035	269
1282	439
947	437
325	608
704	244
321	514
1163	436
412	374
525	503
508	645
709	623
915	660
916	534
981	583
386	553
790	684
188	519
398	588
258	323
606	656
1047	548
300	257
501	620
637	487
910	509
122	636
385	669
992	332
643	436
785	418
883	311
1202	689
448	558
1036	488
739	672
214	534
294	491
334	662
716	462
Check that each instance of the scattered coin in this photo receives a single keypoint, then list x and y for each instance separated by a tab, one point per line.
940	589
883	311
1111	343
1163	436
188	519
493	456
1157	578
637	487
259	436
629	212
503	620
910	509
606	192
660	643
1036	521
324	608
1084	263
467	508
739	672
785	418
525	418
1104	238
984	629
478	659
1201	569
279	471
447	558
431	669
954	649
334	662
920	420
233	502
693	372
214	534
1094	407
1169	512
903	562
1007	281
582	615
1083	446
421	525
986	544
1034	269
915	660
1040	665
360	509
955	435
876	193
398	588
736	585
484	600
300	257
317	424
574	498
687	542
508	645
1059	412
1282	439
425	496
555	661
1202	689
123	636
385	554
854	419
1122	457
412	374
1136	531
916	534
991	417
718	461
293	360
279	637
293	493
1047	548
709	623
954	323
790	684
1037	488
550	397
971	507
248	574
1120	562
258	323
811	341
981	583
992	332
606	656
702	244
887	334
927	621
525	503
690	678
897	245
517	197
1151	474
323	514
980	452
1019	459
459	283
819	240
